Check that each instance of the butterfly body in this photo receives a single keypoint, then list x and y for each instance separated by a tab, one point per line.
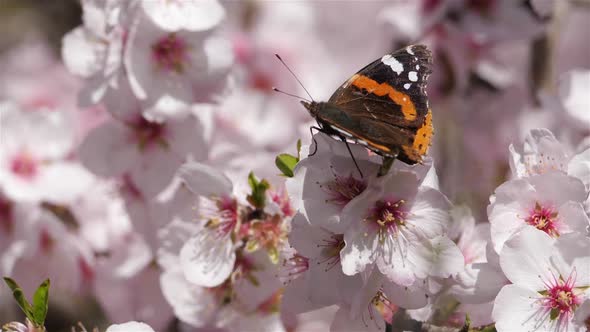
384	106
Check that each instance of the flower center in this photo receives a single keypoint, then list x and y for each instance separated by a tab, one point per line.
293	267
343	189
388	214
149	133
331	248
170	53
24	166
222	216
560	298
544	219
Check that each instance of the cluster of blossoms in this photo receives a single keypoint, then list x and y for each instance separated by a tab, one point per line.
148	183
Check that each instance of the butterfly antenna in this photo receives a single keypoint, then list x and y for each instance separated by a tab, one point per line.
292	73
290	94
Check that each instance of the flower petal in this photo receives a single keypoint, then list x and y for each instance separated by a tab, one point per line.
206	260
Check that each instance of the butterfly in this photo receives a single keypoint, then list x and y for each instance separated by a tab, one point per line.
383	106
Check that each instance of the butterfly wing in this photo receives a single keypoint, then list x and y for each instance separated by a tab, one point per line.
387	105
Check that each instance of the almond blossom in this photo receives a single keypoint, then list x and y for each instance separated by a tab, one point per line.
399	226
34	156
549	282
551	203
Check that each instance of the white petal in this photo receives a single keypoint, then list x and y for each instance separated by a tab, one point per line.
573	218
105	151
191	304
579	166
82	52
361	244
192	15
207	261
205	180
574	249
517	309
429	214
525	258
130	327
408	297
444	258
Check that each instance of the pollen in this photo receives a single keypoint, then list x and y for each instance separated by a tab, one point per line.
544	219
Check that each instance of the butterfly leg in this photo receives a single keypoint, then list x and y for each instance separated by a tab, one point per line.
351	155
385	166
315	143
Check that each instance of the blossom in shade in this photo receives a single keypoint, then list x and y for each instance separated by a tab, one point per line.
552	203
550	281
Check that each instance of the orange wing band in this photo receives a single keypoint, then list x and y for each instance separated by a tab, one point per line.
384	89
422	140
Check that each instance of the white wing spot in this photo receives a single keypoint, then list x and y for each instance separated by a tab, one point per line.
413	76
407	86
409	50
392	62
417	67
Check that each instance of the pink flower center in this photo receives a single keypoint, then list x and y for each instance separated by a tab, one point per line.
388	215
24	166
223	217
331	248
544	219
293	267
281	198
149	133
343	189
560	300
170	53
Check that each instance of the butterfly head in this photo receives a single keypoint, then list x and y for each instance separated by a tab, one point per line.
312	106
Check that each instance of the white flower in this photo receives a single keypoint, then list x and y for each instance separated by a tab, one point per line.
399	226
316	269
550	280
482	277
550	202
130	327
208	257
542	153
174	68
149	152
325	182
191	15
33	158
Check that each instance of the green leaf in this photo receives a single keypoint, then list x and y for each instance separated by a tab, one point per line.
258	196
286	164
41	303
19	296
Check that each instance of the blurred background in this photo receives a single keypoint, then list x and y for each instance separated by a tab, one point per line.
501	67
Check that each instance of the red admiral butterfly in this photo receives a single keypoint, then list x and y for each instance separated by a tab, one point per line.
384	106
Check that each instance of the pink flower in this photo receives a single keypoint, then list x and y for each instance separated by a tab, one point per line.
149	152
399	226
549	282
551	203
33	159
